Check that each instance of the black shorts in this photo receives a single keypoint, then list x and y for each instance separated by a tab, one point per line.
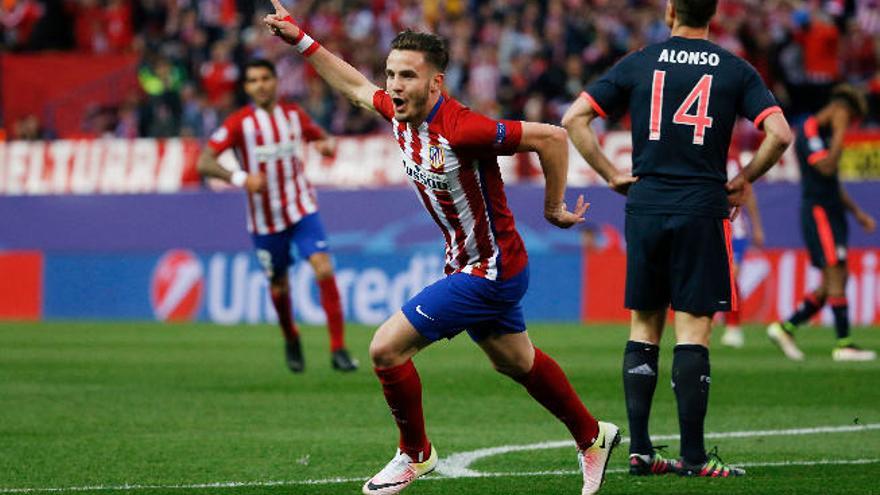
825	234
682	260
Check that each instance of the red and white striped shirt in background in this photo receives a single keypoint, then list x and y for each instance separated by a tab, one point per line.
272	143
451	161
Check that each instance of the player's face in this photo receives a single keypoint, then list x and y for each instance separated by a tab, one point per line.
410	82
260	84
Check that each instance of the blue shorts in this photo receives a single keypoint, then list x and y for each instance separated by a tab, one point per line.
739	249
465	302
273	250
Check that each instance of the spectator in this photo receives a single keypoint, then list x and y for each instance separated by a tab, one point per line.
509	58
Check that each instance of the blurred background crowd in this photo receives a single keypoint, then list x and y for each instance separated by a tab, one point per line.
515	59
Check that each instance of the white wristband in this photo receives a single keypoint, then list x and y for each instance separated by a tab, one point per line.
239	177
304	44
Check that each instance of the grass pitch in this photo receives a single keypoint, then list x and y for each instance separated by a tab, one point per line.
124	408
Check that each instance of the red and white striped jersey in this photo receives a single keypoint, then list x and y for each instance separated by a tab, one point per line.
451	161
272	143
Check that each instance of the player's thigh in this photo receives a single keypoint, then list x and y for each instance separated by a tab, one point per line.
501	311
273	253
510	353
449	306
825	235
702	265
692	329
647	262
309	236
395	342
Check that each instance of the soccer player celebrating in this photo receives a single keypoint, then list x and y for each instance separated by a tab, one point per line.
684	95
450	156
268	138
824	203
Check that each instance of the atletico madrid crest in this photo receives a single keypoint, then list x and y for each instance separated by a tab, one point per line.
436	157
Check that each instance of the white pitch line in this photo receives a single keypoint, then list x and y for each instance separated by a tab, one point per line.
458	465
572	472
328	481
462	471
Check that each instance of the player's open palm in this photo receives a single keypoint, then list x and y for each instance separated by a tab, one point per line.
562	218
284	29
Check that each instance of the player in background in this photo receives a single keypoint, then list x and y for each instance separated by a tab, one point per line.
824	204
450	156
684	96
268	137
744	229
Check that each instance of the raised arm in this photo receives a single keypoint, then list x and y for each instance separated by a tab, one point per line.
577	121
335	71
551	145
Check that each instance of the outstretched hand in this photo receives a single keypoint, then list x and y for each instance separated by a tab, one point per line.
277	23
559	215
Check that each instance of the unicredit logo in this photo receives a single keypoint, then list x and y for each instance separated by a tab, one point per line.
177	286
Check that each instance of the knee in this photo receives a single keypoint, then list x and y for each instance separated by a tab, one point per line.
322	267
383	355
514	368
278	286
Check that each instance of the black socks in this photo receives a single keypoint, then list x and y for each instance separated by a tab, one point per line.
639	381
690	381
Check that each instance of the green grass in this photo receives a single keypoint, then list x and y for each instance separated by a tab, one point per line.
110	404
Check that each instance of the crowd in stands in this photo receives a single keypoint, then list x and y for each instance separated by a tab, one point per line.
515	59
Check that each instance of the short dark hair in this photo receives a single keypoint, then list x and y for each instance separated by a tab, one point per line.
852	97
432	46
260	63
695	13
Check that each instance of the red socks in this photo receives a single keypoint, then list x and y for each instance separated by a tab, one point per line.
333	308
403	392
284	308
546	382
732	317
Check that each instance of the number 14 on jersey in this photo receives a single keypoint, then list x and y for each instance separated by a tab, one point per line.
699	95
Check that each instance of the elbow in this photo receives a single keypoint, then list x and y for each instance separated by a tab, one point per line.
785	138
781	135
571	120
567	120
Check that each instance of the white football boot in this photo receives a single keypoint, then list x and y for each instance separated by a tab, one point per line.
733	337
785	341
594	460
852	353
399	473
